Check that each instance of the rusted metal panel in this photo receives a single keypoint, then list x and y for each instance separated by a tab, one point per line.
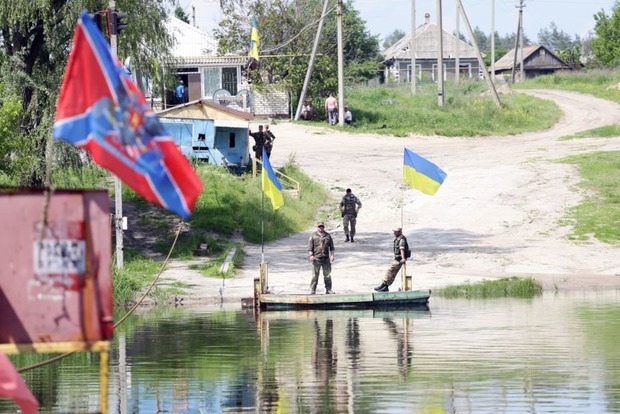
55	280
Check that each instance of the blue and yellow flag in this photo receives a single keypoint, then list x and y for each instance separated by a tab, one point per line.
254	41
422	174
271	186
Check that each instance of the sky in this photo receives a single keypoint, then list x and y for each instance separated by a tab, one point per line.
574	17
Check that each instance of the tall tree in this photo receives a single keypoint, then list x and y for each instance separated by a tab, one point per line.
35	41
180	14
393	37
287	29
556	40
605	46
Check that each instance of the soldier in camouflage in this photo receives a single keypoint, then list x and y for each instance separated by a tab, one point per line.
349	206
321	255
400	246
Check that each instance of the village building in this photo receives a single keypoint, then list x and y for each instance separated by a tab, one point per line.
537	60
427	36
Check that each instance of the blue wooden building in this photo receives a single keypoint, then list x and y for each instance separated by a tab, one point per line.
210	132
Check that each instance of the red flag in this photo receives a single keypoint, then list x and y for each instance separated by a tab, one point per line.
101	110
12	386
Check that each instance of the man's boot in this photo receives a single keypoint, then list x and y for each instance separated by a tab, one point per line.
347	239
352	241
382	288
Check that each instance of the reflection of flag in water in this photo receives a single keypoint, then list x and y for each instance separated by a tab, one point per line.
12	386
422	174
271	186
254	41
101	110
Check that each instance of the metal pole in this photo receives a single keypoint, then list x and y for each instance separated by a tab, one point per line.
457	60
488	80
315	47
522	77
493	40
118	186
340	65
440	97
414	75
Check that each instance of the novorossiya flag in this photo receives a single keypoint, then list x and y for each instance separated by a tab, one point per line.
271	185
422	174
101	110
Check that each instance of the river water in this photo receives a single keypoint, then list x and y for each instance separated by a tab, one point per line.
557	353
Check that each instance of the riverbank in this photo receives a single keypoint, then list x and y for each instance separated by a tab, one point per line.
498	214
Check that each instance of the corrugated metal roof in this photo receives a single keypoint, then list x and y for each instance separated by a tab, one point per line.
427	44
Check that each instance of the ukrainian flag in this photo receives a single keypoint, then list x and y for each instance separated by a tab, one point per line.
271	186
254	41
422	174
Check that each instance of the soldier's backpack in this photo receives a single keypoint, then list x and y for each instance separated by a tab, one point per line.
407	251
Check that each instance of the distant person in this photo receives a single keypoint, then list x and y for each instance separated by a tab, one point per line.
259	142
349	206
181	92
269	138
401	249
307	111
348	116
321	255
331	109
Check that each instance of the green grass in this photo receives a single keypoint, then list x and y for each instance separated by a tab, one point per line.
504	288
599	215
609	131
600	83
468	111
137	272
212	267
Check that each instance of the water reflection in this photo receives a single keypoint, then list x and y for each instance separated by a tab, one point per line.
557	353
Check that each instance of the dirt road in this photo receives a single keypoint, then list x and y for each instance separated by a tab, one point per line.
498	214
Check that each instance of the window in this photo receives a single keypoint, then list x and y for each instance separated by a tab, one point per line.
231	140
214	78
418	72
434	74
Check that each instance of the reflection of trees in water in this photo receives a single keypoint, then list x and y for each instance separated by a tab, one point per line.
404	350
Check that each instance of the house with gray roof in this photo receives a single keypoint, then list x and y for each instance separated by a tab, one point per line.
398	56
537	60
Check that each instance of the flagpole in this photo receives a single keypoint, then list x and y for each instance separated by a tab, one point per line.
262	230
118	186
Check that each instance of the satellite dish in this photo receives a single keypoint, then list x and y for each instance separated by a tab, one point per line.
218	96
244	95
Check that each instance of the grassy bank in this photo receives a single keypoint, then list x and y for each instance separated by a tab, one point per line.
599	214
503	288
600	83
468	111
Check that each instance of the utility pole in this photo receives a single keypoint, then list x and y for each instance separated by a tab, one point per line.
457	60
522	77
518	36
493	40
440	97
414	75
315	47
340	65
118	186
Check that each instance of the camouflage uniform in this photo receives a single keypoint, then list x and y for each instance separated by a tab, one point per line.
321	250
400	242
349	206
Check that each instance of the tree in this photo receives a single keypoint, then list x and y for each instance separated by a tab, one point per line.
556	40
605	46
392	38
180	14
36	39
287	29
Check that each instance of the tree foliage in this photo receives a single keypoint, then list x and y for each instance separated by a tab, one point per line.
556	40
605	46
502	43
34	48
287	30
393	37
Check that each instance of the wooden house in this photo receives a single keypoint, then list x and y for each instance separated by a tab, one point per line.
398	56
537	60
210	132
